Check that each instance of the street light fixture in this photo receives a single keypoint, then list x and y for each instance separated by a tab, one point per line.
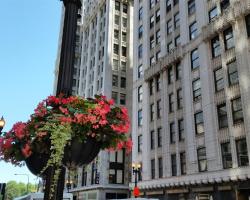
136	168
68	182
2	123
28	180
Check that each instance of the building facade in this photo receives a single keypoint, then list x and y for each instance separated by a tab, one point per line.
103	65
191	91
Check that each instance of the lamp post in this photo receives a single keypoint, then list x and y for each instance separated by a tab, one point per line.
136	168
27	178
68	182
2	124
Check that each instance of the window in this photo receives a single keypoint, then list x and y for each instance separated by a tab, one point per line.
125	8
151	86
199	123
159	137
152	140
172	133
195	59
115	97
151	24
215	44
228	38
124	36
160	167
193	31
191	7
173	165
177	40
224	4
196	90
171	102
237	110
140	143
152	168
123	82
117	5
124	22
140	93
157	16
84	176
124	51
226	155
139	117
157	55
116	34
140	13
116	49
169	26
170	75
183	163
115	80
168	5
233	77
176	2
158	83
159	109
140	71
151	3
202	160
122	99
242	155
152	41
213	14
177	20
140	31
116	167
117	20
123	66
151	60
248	24
222	116
178	71
218	79
181	130
115	64
140	51
158	36
152	110
179	99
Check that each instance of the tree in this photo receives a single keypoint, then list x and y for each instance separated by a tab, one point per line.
14	189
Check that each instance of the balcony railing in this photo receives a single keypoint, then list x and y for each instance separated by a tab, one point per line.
172	57
234	11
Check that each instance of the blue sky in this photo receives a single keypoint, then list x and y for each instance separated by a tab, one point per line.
29	31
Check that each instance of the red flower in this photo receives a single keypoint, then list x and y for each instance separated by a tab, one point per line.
26	151
128	145
19	129
7	143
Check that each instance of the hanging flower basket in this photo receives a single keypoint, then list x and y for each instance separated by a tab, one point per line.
66	131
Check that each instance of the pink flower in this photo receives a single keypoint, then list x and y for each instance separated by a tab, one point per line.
64	110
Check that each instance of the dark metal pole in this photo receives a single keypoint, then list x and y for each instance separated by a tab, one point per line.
66	64
64	82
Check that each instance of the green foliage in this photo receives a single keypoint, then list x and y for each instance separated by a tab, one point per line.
14	189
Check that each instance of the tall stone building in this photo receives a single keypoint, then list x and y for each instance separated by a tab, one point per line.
103	65
191	98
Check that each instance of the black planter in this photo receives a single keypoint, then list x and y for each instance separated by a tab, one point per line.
77	154
36	162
